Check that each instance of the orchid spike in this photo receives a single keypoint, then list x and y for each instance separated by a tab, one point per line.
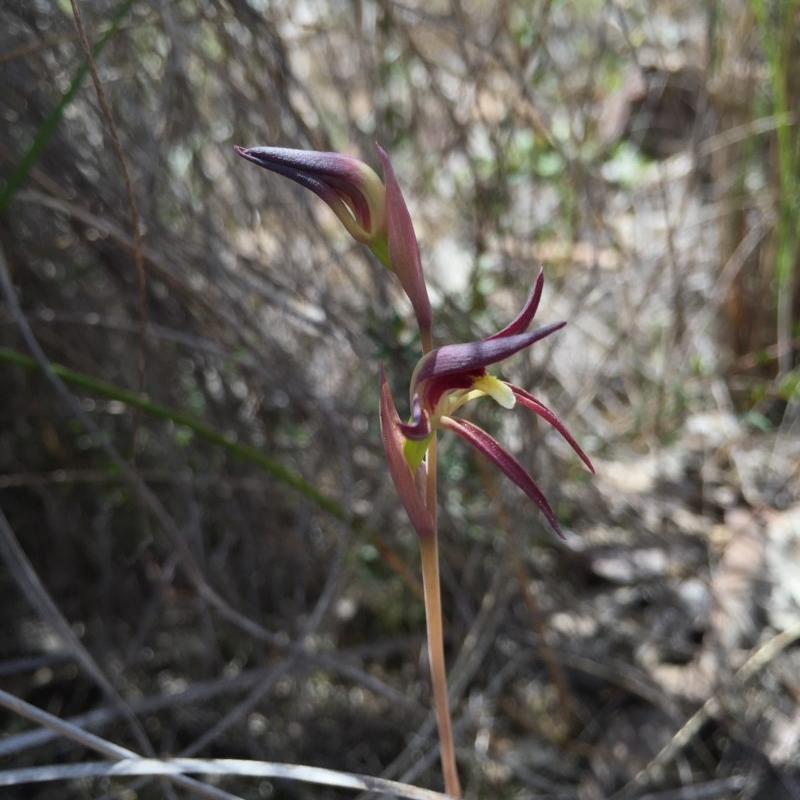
450	376
373	214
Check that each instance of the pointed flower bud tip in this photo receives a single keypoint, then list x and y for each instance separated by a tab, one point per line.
350	187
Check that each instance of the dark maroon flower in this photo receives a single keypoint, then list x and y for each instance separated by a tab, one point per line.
450	376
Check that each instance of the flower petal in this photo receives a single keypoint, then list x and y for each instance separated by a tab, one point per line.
529	401
409	485
498	390
502	459
419	427
417	435
522	321
403	248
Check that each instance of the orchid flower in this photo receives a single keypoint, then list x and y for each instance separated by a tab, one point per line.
444	380
373	214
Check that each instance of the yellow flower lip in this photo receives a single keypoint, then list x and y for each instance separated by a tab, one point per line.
498	390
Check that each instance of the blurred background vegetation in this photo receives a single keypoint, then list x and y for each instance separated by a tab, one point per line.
202	550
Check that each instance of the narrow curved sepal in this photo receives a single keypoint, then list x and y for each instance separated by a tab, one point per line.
505	462
404	255
522	321
409	485
538	407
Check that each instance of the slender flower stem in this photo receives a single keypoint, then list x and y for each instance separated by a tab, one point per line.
427	341
429	551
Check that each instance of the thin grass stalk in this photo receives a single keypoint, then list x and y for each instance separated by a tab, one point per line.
782	61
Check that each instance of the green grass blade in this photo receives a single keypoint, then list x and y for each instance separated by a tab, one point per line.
48	127
245	452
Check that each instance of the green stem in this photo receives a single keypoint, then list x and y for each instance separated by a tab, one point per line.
48	127
778	30
429	550
245	452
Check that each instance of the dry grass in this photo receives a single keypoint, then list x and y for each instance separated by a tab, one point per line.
178	595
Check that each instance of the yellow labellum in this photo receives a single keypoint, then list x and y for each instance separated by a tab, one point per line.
496	389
